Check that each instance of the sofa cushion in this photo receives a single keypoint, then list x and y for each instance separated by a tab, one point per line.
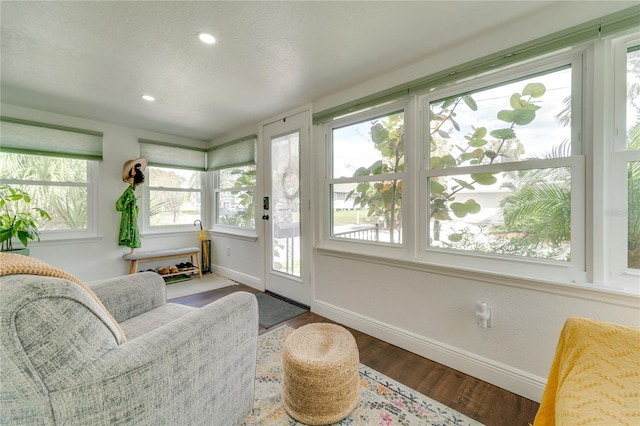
143	323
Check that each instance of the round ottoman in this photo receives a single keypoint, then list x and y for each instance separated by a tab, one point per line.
320	374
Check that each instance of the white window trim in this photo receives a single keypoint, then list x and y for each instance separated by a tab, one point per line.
146	230
63	236
243	232
570	272
615	211
373	248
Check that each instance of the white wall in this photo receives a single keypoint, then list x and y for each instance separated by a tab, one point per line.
101	257
430	311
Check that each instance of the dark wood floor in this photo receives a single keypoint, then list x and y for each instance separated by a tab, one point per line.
474	398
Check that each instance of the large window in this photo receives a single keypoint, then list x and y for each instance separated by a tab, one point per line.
365	183
502	167
234	194
175	196
56	166
623	212
495	178
60	186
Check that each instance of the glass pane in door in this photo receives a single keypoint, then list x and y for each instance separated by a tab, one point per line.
633	215
285	204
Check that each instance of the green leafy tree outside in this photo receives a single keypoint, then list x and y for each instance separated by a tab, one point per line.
483	146
244	177
66	202
384	199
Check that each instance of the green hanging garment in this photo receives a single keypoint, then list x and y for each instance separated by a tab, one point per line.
129	234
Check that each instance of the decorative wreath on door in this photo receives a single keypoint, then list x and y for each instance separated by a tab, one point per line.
290	183
290	180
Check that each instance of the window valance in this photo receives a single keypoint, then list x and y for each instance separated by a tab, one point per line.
30	137
238	152
164	154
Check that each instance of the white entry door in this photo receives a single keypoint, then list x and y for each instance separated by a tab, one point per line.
286	207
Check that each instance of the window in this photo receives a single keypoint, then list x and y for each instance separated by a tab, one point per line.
234	175
623	212
365	183
173	185
175	196
502	167
633	167
56	166
60	186
234	195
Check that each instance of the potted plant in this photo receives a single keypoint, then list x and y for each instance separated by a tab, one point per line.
18	219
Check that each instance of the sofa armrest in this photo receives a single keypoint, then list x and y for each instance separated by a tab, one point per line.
131	295
198	369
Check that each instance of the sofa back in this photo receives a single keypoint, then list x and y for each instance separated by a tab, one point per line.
51	330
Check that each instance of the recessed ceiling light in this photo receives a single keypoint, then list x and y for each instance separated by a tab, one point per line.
148	98
206	38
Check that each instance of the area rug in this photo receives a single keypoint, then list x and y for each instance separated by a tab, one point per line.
383	401
272	311
196	285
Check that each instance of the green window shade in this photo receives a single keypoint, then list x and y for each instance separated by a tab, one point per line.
29	137
235	153
605	26
163	154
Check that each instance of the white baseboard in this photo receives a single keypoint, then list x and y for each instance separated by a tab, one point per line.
249	280
506	377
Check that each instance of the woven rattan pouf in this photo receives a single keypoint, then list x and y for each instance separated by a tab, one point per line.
320	380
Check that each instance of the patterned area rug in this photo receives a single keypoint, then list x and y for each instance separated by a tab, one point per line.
383	401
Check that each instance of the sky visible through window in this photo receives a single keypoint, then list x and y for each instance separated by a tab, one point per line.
352	146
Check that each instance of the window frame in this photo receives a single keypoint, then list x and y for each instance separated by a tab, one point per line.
616	210
552	270
216	190
54	236
146	228
366	246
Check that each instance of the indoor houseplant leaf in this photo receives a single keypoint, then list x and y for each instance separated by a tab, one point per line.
17	218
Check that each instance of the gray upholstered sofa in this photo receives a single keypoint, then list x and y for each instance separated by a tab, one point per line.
63	361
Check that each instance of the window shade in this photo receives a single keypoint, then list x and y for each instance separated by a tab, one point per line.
239	152
163	154
30	137
605	26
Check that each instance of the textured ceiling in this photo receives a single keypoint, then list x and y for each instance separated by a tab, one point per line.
95	59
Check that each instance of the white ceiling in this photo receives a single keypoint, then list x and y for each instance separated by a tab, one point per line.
95	59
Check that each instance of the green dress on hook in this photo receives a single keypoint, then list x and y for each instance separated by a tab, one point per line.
129	235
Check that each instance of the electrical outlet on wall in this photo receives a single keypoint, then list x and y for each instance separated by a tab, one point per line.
228	251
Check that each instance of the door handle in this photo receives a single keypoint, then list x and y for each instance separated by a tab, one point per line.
265	217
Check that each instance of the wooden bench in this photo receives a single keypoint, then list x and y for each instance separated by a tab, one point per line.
150	256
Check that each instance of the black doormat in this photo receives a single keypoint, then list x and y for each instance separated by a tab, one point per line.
272	311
